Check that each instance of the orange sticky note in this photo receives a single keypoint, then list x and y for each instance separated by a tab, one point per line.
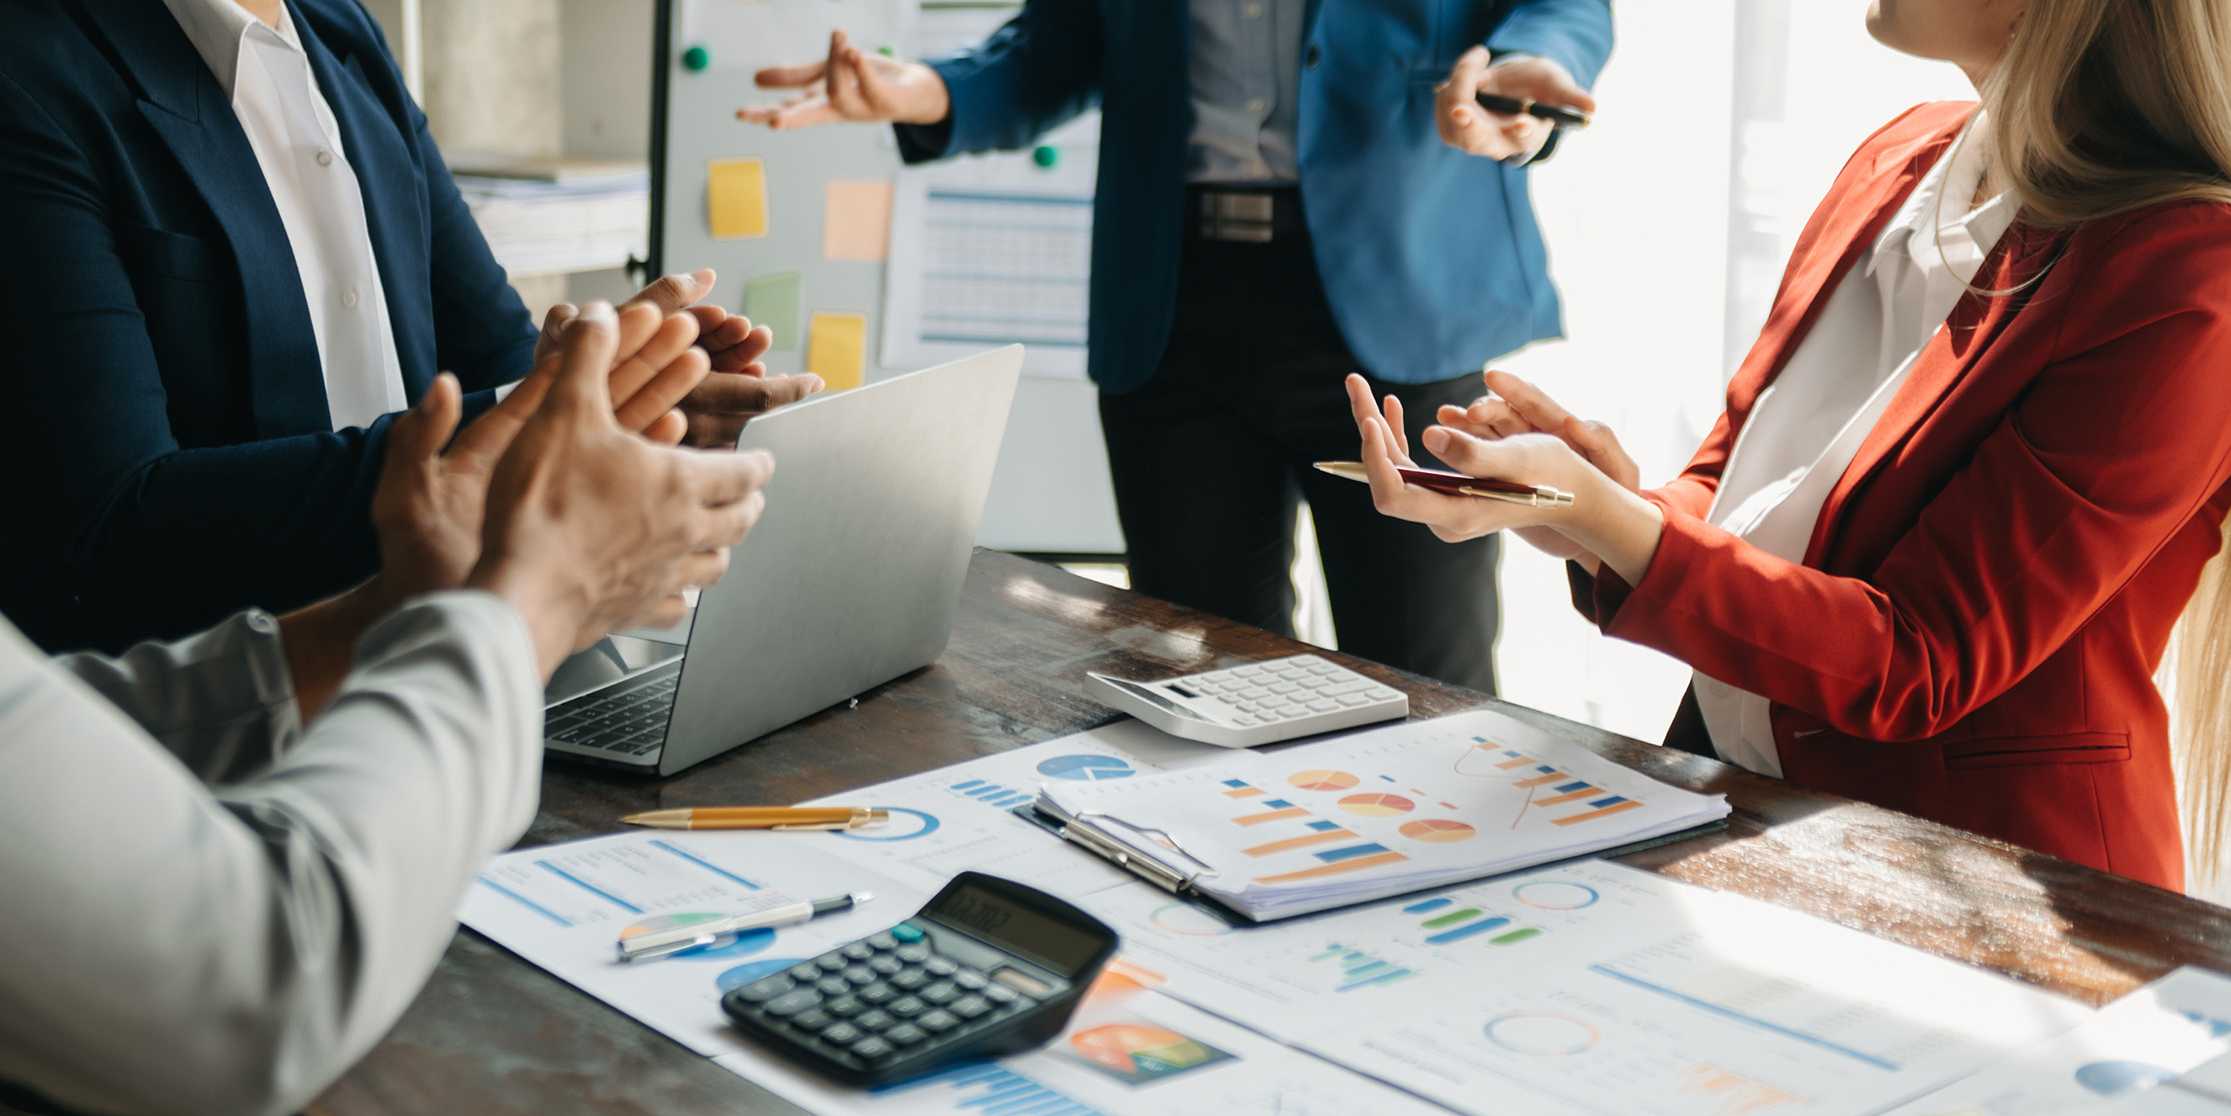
736	198
856	222
837	349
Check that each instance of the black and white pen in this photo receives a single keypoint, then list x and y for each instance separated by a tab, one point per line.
667	943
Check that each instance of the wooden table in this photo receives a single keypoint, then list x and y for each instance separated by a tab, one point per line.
492	1034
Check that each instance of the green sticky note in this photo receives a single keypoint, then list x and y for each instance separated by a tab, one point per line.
772	301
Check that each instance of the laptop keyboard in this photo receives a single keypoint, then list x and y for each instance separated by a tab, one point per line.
627	719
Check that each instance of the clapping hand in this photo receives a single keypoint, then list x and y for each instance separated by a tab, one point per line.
589	527
428	509
713	414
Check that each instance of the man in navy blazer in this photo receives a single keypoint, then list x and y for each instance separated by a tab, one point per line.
172	448
1288	191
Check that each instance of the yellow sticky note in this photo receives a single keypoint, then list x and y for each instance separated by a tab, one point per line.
837	349
736	198
856	222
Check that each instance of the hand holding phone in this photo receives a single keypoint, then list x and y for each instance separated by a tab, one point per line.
1458	484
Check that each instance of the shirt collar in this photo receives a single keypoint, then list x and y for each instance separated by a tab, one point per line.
218	29
1963	235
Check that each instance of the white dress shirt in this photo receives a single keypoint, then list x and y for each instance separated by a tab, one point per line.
298	145
1808	424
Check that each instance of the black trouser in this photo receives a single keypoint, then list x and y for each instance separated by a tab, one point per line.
1212	456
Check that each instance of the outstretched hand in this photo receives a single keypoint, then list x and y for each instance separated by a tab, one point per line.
1467	127
851	85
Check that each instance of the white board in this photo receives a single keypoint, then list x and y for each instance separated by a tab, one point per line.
938	290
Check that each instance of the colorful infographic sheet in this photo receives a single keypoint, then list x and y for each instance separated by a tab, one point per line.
1580	987
1128	1052
1575	988
1383	812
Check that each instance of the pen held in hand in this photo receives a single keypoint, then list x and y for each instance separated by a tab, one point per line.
1458	484
1527	106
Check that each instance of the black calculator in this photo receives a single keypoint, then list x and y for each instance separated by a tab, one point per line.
988	967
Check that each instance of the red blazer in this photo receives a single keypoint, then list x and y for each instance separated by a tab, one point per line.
1973	634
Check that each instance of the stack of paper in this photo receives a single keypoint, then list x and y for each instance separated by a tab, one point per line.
553	217
1376	814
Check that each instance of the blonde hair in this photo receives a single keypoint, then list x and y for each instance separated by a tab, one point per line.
2101	107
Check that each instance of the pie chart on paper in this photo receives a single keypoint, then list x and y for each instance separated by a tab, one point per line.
1438	831
1322	780
1377	805
1085	768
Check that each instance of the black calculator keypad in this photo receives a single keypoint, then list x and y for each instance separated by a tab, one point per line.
791	1003
883	996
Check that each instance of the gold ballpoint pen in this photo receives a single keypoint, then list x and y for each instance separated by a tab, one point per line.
761	817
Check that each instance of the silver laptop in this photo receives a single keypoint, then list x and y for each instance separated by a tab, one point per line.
850	579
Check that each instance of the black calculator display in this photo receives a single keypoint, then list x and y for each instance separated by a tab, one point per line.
988	967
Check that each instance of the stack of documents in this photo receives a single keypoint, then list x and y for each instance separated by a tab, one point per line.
546	217
1368	816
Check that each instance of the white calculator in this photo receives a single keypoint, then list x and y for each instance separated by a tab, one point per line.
1255	704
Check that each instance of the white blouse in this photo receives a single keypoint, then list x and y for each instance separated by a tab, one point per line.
1808	424
297	142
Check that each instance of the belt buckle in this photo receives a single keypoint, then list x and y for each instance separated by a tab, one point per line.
1241	218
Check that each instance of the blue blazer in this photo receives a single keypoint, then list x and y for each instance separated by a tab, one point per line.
168	428
1431	258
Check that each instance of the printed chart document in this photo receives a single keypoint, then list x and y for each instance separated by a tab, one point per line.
993	248
2154	1035
1127	1052
1380	813
1579	988
1573	988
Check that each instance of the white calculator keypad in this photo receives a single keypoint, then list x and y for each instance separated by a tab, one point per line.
1257	703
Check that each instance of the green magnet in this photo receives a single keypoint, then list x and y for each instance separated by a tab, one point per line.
1046	157
696	58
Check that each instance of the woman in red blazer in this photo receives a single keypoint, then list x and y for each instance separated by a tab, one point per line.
1968	627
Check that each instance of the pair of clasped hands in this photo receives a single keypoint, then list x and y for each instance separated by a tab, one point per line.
578	497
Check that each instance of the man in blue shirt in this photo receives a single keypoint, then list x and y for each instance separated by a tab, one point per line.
1305	203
